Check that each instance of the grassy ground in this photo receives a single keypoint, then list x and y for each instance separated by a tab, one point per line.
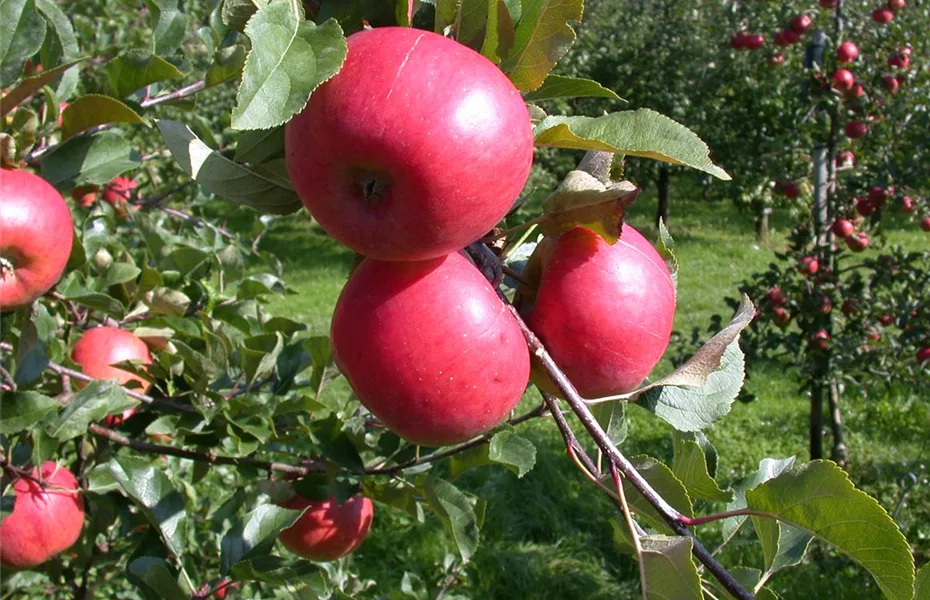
549	535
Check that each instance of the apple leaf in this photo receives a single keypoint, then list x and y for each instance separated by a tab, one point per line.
157	576
157	499
32	348
256	536
663	481
922	583
60	45
457	511
93	403
22	31
471	19
236	13
643	132
665	247
223	177
30	85
690	466
170	26
514	452
273	569
560	86
258	146
93	110
701	391
24	410
542	37
582	199
227	64
668	570
499	31
335	443
289	59
395	494
92	159
768	468
819	498
136	69
611	416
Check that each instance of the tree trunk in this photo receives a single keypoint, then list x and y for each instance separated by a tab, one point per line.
662	212
840	452
762	225
817	420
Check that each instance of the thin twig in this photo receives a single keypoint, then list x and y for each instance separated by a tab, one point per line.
631	527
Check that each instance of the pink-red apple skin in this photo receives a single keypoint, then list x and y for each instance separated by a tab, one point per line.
35	237
847	52
828	3
753	42
843	228
923	354
882	16
800	23
925	223
118	193
843	79
856	129
858	242
907	205
44	522
809	265
327	530
429	348
101	347
418	147
604	312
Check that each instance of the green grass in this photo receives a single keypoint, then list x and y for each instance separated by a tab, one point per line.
549	535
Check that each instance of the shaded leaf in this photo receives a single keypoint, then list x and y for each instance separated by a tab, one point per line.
273	569
335	444
542	37
236	13
611	416
227	64
768	468
663	481
93	110
257	146
153	493
157	575
170	26
561	86
23	410
499	32
32	347
93	159
668	569
256	535
21	33
61	36
136	69
922	583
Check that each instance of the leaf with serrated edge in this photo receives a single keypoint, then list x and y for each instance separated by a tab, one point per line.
513	451
768	468
93	110
289	59
170	26
922	583
581	199
665	247
93	159
66	43
819	498
542	37
456	511
22	31
136	69
498	37
560	86
668	568
663	481
24	410
690	466
643	132
99	399
256	536
31	85
260	145
221	176
156	574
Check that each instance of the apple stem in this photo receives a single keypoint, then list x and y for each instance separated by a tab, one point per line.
372	186
6	267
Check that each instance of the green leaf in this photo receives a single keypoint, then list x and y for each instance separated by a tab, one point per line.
472	458
156	574
457	512
257	146
259	356
582	199
690	467
21	33
65	43
668	569
560	86
32	346
219	175
611	416
100	480
24	410
665	246
289	59
93	159
236	13
782	545
499	31
228	63
99	399
768	468
256	536
30	85
93	110
335	444
120	273
136	69
153	493
922	583
514	452
663	481
273	569
643	132
471	20
542	37
819	498
170	26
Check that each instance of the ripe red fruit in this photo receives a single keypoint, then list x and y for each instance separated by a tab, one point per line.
753	42
416	164
896	4
35	237
891	83
828	3
118	193
907	205
789	189
101	347
906	51
781	316
899	60
864	207
820	340
800	23
850	307
776	59
878	195
826	305
843	79
925	223
856	129
738	41
776	297
886	320
808	265
858	242
429	348
856	91
603	311
923	354
84	195
223	588
45	521
327	530
790	36
847	52
882	15
843	228
845	158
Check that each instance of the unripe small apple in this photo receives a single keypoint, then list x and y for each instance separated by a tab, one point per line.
843	79
847	52
882	15
808	265
328	530
907	205
925	223
856	129
864	207
800	23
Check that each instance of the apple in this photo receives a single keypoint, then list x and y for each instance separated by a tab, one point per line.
923	354
781	316
826	305
789	189
84	195
418	147
753	42
845	158
874	335
886	320
850	307
101	347
906	51
35	237
820	340
856	129
858	242
429	348
327	530
223	588
46	520
877	195
843	79
603	311
776	297
891	83
738	41
907	205
843	228
896	4
856	91
118	193
829	3
864	207
790	36
808	265
800	23
776	59
899	60
847	52
925	223
882	15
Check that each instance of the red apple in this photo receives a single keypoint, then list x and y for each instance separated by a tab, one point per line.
45	520
35	237
843	79
877	195
418	147
790	36
826	305
923	354
874	335
776	297
738	41
850	307
776	59
224	587
779	39
789	189
845	158
886	320
800	23
882	15
896	4
820	340
925	223
906	51
864	207
899	60
118	193
85	195
829	3
429	348
856	91
847	52
907	205
753	42
101	347
843	228
327	530
891	83
858	242
856	129
808	265
781	316
603	311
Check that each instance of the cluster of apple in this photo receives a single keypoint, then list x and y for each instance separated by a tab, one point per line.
117	193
